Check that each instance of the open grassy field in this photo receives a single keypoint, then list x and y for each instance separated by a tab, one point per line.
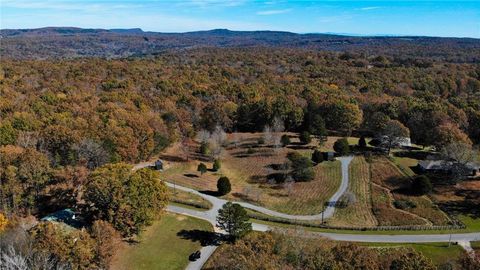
359	213
164	245
187	198
250	172
439	253
250	166
389	182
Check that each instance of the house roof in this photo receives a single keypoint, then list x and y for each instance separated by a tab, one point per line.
66	216
444	165
434	164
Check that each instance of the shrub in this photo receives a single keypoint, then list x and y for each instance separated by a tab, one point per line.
261	141
223	186
317	156
421	185
285	140
204	149
305	137
216	165
302	168
250	151
341	146
404	204
202	168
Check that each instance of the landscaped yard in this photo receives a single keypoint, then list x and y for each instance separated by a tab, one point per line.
164	245
388	184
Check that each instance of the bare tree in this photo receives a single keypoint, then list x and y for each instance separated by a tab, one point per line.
288	185
217	141
268	135
394	133
17	252
27	139
92	152
278	128
461	156
203	136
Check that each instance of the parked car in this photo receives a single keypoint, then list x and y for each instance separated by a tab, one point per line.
195	256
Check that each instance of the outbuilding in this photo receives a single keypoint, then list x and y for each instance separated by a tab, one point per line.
159	165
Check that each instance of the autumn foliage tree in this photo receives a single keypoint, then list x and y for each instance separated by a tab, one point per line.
129	200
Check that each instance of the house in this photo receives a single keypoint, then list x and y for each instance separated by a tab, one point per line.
447	167
159	165
435	166
66	216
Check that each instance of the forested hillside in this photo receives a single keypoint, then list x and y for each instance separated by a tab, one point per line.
79	114
69	42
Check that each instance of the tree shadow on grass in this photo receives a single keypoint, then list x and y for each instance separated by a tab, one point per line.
205	238
210	192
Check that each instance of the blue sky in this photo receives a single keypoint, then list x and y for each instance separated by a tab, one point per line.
431	18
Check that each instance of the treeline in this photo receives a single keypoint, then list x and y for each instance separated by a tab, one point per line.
293	250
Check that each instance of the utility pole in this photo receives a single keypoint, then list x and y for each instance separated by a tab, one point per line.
450	240
323	212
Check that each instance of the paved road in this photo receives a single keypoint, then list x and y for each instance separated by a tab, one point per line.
217	203
407	238
329	210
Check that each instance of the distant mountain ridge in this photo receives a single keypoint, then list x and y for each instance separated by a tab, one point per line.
72	42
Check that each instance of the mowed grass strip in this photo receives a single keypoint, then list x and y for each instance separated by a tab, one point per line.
160	247
359	213
439	253
187	198
406	164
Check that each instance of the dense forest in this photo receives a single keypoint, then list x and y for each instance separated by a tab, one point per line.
89	111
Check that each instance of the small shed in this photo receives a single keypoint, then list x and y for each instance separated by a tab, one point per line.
159	165
329	156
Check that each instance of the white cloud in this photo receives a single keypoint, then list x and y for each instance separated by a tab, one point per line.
369	8
66	5
273	11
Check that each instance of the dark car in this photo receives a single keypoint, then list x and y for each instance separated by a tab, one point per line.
195	256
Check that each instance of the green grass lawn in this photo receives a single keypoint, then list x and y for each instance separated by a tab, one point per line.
439	253
188	199
473	224
405	164
160	247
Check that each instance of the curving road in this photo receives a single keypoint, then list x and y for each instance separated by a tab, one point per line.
328	212
217	203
